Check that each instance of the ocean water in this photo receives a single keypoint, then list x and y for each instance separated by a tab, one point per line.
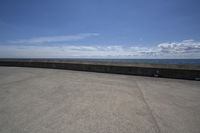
142	61
150	61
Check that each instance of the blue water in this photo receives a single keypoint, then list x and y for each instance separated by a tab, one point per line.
148	61
143	61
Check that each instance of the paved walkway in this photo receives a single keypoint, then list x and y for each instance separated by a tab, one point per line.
34	100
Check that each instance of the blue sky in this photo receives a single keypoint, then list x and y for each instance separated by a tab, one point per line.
99	28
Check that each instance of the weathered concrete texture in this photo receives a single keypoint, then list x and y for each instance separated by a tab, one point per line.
34	100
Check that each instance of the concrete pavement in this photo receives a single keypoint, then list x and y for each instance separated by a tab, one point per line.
34	100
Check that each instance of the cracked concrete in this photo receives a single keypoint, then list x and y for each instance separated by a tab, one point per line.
59	101
157	128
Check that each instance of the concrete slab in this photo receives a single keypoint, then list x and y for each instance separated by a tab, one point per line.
34	100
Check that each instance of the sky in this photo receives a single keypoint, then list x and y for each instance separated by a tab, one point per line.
100	29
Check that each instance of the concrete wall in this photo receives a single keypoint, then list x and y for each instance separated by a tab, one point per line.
142	70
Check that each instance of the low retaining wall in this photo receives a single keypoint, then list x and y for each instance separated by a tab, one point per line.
173	72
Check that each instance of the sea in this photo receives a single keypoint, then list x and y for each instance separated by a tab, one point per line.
149	61
130	61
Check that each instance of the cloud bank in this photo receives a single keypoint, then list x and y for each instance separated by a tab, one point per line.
182	49
54	39
186	46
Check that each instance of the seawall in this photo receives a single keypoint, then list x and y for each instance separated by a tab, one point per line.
189	72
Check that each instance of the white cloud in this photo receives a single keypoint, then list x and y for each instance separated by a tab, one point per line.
185	46
49	39
67	51
183	49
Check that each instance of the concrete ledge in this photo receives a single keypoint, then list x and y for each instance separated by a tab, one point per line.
169	71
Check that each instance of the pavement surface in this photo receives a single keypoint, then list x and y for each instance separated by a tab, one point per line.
34	100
